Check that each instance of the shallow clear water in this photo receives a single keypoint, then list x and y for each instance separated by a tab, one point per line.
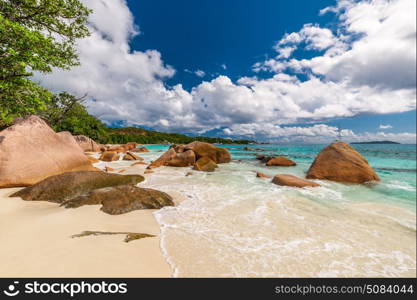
234	224
394	163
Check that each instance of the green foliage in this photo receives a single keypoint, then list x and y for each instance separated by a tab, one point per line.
35	35
143	136
59	107
65	112
39	35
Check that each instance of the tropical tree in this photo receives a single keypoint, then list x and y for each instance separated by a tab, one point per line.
65	112
35	35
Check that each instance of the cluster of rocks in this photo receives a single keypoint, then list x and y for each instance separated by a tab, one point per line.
337	162
118	194
31	151
127	152
201	156
54	167
34	155
280	161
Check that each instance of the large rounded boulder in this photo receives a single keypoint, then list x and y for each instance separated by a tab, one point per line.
163	159
131	156
60	188
109	156
203	156
87	144
31	151
340	162
216	154
140	149
122	199
280	161
205	164
182	159
290	180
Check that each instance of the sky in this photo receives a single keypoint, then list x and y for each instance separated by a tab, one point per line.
269	70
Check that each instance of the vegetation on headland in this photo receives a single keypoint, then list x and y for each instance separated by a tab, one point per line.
139	135
374	142
39	36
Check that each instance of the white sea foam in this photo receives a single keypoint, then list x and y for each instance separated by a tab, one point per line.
234	224
400	185
230	223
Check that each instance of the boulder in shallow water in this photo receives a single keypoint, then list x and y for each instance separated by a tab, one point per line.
109	156
122	199
182	159
142	149
216	154
205	164
280	161
264	158
60	188
31	151
163	159
116	148
248	149
131	156
187	155
340	162
261	175
290	180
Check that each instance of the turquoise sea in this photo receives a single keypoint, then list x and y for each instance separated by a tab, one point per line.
395	164
229	223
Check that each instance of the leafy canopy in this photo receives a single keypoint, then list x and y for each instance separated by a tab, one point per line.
35	35
66	112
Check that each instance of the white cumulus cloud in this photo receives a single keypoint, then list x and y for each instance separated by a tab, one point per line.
318	133
198	73
366	65
382	126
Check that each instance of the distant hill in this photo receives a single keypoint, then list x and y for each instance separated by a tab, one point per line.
375	142
144	136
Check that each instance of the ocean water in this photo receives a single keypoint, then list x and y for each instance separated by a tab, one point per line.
232	224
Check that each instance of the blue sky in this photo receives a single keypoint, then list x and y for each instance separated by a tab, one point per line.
284	71
209	33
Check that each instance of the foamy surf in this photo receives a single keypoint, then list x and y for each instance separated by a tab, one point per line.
232	224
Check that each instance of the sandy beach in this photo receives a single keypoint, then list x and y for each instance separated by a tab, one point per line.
36	241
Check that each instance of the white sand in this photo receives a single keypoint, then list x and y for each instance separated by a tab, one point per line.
35	241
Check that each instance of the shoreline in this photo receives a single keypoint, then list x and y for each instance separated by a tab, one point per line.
284	219
48	250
